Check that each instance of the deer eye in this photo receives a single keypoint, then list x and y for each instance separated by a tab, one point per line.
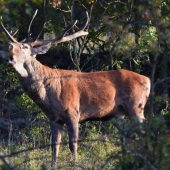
10	47
24	47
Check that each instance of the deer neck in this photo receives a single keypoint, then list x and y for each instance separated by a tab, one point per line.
34	72
38	81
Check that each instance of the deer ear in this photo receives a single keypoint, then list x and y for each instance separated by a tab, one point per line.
40	50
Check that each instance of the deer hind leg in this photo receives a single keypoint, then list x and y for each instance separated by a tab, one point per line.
56	131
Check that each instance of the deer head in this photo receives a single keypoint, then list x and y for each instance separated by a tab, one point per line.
24	51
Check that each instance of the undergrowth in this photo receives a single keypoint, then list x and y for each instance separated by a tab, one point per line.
102	145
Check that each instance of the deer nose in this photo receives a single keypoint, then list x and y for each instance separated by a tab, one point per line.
10	47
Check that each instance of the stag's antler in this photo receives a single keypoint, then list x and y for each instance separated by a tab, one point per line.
37	42
62	37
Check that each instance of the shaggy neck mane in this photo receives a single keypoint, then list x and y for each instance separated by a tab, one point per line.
37	72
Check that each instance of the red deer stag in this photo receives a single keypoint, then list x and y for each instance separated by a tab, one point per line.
69	97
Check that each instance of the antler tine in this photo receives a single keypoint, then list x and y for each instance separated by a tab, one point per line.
29	25
38	34
87	21
66	30
14	33
74	24
63	33
7	33
85	24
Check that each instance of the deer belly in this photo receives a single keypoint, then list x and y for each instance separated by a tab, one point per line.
95	112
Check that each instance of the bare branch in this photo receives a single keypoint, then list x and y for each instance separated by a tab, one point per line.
161	81
4	161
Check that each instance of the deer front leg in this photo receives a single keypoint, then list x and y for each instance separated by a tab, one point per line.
56	131
72	128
